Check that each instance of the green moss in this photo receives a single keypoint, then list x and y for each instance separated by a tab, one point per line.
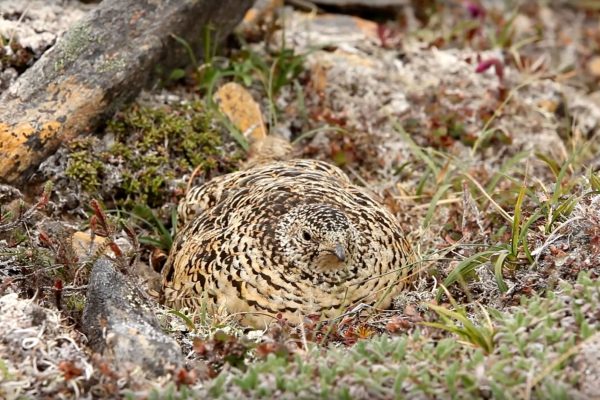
159	144
83	166
151	148
75	302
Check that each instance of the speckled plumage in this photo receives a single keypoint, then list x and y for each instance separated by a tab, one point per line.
291	237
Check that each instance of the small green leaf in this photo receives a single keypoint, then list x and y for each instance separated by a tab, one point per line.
432	205
188	322
177	74
595	181
517	222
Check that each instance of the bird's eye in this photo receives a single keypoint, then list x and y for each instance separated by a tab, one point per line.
306	235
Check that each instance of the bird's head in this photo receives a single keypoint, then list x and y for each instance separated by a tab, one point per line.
317	237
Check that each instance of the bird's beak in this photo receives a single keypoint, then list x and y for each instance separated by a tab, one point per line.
339	252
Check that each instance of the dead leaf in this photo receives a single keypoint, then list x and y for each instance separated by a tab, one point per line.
398	324
548	105
319	78
593	66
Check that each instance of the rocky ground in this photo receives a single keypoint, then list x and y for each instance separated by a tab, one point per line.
478	125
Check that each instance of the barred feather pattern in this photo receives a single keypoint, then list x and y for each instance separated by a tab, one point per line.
291	238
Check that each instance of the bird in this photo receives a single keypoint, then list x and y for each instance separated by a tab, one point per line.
286	239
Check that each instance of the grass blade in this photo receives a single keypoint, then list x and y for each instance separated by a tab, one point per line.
517	222
550	162
498	265
188	322
489	198
511	162
466	266
432	205
525	231
417	150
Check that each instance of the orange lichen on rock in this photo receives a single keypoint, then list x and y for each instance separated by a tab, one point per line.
242	110
28	137
18	142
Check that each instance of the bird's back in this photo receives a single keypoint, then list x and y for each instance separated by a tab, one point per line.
205	197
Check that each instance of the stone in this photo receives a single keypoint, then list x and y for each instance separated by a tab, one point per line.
242	110
371	4
119	322
100	63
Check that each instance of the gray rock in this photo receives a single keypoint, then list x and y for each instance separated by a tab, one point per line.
373	4
119	323
9	193
100	63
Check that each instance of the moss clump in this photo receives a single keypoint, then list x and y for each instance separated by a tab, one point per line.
75	302
156	145
83	166
185	132
152	148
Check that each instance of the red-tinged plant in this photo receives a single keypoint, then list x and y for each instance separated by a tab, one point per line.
58	291
484	65
69	370
45	240
115	249
185	377
101	223
475	10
